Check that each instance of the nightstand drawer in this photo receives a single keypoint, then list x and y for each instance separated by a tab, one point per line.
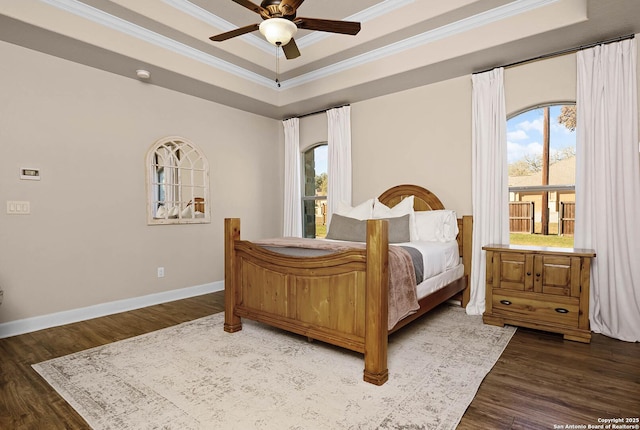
536	307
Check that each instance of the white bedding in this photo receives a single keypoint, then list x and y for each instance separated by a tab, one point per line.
437	257
434	283
442	265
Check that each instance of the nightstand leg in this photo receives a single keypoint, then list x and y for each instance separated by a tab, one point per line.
491	320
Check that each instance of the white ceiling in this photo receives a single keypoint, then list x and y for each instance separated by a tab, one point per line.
402	44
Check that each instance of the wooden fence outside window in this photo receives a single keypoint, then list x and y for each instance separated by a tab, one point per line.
522	218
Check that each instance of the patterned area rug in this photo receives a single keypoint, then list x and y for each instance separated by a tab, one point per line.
196	376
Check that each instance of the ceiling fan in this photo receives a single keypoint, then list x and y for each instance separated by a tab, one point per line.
280	24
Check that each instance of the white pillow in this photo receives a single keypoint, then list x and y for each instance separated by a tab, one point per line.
187	212
436	226
363	211
405	207
173	212
161	212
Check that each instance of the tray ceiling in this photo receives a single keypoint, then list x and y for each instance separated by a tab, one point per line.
402	44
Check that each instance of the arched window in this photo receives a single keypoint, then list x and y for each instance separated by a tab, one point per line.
177	183
314	191
541	151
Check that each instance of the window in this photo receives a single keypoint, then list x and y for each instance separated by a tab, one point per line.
314	191
541	151
177	183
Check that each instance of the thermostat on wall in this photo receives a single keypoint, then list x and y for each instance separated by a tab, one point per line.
30	174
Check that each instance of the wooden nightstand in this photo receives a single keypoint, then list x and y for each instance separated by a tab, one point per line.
540	288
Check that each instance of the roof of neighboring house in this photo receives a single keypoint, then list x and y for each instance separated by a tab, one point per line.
560	173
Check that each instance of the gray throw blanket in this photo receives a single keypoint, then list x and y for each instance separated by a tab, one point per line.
403	300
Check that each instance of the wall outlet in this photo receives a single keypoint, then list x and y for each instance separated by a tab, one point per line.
160	272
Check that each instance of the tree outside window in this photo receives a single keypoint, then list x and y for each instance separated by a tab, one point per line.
541	151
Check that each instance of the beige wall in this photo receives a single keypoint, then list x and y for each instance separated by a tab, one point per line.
86	241
313	130
540	82
421	136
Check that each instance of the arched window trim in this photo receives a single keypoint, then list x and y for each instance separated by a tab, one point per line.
540	106
177	183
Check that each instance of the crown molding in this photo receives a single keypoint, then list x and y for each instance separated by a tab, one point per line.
98	16
502	12
213	20
365	15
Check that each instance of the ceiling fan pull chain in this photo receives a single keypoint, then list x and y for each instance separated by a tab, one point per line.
278	66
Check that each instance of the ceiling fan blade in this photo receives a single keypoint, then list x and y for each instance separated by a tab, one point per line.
331	26
291	50
254	7
233	33
289	7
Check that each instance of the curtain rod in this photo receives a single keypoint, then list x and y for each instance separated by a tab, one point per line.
562	52
317	112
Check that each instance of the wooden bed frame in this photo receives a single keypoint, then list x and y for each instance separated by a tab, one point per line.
339	298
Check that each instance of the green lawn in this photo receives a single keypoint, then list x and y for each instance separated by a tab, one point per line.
321	230
552	240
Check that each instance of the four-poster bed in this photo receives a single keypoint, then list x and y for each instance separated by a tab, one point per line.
341	298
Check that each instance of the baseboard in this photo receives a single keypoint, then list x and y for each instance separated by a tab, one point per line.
28	325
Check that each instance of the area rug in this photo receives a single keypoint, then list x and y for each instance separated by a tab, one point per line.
196	376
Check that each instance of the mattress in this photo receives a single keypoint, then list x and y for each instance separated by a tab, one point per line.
436	282
442	265
437	257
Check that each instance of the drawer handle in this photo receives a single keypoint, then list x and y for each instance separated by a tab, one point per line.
506	302
528	273
562	311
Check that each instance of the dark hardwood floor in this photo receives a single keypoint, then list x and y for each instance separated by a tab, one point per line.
544	382
539	382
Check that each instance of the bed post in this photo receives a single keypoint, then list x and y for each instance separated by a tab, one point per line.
232	322
467	251
376	331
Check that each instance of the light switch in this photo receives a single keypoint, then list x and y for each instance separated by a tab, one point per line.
18	207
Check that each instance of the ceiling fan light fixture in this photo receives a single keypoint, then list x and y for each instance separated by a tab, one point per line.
278	31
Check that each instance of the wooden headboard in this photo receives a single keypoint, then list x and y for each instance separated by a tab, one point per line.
424	200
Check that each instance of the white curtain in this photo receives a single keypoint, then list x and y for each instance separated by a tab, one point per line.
490	189
608	185
292	178
339	158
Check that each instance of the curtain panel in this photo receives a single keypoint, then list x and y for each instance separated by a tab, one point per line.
608	185
292	177
490	188
339	158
